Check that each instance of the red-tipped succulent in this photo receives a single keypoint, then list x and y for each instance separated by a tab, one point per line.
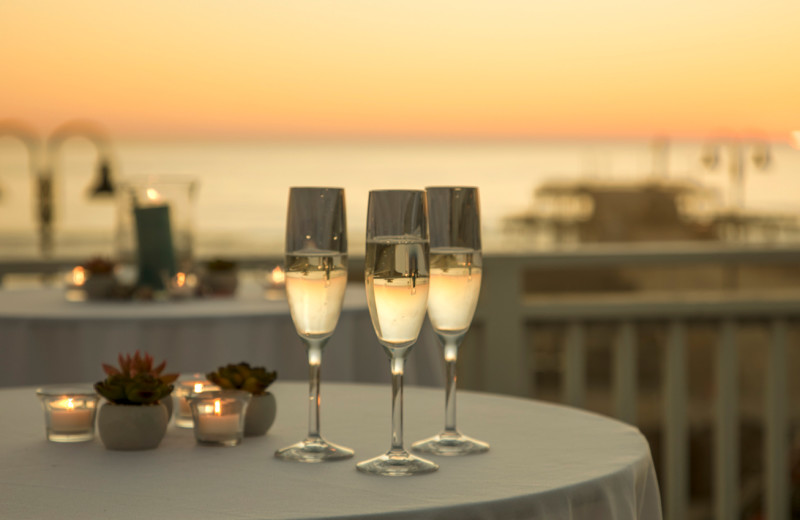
136	381
99	265
139	364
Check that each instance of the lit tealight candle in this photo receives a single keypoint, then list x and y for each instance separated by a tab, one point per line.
64	417
78	276
214	423
75	281
219	416
276	284
182	285
278	276
183	389
69	413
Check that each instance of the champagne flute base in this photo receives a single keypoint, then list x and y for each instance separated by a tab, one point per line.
397	463
450	444
314	450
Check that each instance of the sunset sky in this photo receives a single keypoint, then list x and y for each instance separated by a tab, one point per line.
467	68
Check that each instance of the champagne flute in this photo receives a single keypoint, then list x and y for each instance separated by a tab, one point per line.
455	284
396	269
316	278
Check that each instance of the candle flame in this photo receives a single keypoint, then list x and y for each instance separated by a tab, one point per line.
180	279
278	276
70	404
198	387
153	195
78	276
217	409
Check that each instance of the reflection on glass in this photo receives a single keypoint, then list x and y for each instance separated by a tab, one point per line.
315	278
397	282
456	265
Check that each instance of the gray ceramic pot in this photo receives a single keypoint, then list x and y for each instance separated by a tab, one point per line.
167	401
100	286
222	283
131	427
260	414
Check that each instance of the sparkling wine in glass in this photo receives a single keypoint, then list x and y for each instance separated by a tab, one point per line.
397	281
316	278
455	234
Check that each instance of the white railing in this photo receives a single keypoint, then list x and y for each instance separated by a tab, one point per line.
505	360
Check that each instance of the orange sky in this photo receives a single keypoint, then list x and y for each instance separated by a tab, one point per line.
406	68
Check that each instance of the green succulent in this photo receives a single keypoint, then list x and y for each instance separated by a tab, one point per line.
136	381
140	389
243	377
220	264
99	265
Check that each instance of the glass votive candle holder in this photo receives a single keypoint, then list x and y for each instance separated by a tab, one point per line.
275	284
219	416
194	384
69	413
75	283
182	286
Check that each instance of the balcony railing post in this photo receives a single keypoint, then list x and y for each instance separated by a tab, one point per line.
574	389
776	447
506	358
727	427
676	454
625	359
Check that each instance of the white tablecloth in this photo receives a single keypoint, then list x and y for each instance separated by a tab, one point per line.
46	339
545	462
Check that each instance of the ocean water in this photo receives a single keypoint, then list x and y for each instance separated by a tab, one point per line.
241	202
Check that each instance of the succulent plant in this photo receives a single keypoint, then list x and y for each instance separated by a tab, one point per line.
136	381
129	366
220	264
99	265
243	377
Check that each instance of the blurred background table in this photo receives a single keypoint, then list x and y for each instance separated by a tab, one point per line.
46	339
545	461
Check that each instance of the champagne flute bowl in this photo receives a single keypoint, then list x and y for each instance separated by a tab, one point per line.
316	278
455	283
397	279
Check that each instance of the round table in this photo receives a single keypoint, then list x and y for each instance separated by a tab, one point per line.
546	462
46	339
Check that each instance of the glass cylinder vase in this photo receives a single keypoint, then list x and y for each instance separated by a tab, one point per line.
155	227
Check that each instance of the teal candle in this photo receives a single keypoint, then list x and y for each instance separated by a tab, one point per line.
154	237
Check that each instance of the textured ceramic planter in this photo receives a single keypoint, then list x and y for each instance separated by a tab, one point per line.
260	414
132	427
167	401
100	286
222	283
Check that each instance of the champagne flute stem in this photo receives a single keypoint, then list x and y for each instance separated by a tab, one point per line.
398	366
314	362
450	359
